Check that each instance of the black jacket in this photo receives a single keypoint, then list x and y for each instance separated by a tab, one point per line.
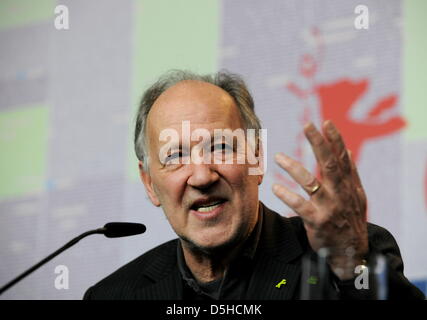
282	245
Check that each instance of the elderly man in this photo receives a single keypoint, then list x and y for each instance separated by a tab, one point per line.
230	245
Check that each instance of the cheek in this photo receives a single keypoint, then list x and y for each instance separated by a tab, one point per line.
244	188
169	189
239	178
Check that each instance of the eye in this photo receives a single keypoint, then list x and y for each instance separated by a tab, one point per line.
173	156
222	147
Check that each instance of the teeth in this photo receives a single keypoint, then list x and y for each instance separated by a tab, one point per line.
208	208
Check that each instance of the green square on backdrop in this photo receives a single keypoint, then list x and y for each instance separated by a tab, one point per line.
23	145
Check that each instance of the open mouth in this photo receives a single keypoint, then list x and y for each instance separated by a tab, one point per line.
207	206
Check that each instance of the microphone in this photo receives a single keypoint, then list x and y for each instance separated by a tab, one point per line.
110	230
122	229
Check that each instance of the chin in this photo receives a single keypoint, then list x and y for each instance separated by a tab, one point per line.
213	245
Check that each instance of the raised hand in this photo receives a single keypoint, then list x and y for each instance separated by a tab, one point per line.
335	214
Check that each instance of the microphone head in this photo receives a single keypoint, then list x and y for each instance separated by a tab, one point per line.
123	229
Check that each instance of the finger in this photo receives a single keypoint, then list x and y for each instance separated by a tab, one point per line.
297	203
354	172
328	163
338	146
363	202
301	175
358	184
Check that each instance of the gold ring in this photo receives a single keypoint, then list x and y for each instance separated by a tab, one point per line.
314	189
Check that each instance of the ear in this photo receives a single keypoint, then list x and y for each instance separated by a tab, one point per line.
146	180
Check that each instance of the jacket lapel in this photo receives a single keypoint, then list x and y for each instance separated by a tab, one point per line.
277	269
274	281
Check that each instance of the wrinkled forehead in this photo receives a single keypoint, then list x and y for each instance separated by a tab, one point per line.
202	104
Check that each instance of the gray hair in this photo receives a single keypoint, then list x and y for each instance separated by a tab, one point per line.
231	83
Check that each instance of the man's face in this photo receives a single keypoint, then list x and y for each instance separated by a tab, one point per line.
209	205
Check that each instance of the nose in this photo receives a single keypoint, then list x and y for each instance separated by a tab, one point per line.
202	176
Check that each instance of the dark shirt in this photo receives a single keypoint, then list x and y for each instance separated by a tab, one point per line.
236	277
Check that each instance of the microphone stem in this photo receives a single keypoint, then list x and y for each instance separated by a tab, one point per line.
50	257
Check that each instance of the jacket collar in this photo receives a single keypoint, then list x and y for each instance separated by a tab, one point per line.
162	270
